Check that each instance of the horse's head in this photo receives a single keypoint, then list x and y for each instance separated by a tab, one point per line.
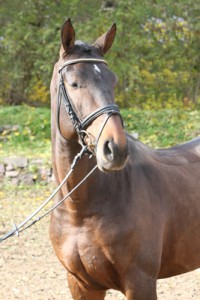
86	110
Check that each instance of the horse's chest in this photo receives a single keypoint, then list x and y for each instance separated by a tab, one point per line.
84	255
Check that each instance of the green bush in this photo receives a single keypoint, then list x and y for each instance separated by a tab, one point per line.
29	132
155	55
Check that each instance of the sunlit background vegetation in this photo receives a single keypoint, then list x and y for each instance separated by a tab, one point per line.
30	131
155	56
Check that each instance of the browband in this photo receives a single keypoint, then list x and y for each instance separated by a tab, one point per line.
79	60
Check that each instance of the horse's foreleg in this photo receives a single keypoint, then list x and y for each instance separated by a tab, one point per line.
80	292
141	287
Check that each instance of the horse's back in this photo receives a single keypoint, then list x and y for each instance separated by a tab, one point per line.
193	145
187	153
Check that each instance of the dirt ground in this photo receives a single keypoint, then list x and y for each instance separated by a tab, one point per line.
29	270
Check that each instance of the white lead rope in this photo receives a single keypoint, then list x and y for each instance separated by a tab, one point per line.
61	201
17	228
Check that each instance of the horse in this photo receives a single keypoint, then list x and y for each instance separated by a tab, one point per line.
137	216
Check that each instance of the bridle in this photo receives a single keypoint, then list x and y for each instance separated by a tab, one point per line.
81	125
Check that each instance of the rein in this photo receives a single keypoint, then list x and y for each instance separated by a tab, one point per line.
19	228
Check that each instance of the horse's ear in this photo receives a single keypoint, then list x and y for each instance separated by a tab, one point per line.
105	41
67	36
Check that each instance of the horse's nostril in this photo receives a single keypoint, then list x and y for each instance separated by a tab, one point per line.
108	150
112	156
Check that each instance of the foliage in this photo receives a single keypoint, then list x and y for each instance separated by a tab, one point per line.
159	128
163	128
155	55
30	132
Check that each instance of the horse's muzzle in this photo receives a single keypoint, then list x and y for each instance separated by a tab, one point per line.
112	157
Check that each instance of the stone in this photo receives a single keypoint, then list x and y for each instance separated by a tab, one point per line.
12	174
15	181
5	127
45	173
27	179
135	134
2	169
52	178
9	128
15	128
36	161
10	167
20	170
17	162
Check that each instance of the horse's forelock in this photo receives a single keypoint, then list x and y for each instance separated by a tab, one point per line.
84	47
80	47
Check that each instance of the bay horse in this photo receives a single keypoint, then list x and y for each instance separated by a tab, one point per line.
137	217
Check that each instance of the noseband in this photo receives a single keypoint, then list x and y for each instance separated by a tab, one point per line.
81	125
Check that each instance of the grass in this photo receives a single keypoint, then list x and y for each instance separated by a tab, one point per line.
31	135
31	132
163	128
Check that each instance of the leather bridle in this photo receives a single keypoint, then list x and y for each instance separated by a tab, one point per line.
81	125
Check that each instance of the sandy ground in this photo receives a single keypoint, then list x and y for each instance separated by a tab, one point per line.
29	270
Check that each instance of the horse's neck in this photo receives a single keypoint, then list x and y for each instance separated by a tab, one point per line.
64	157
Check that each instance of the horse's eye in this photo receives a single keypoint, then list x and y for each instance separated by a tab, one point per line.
75	85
